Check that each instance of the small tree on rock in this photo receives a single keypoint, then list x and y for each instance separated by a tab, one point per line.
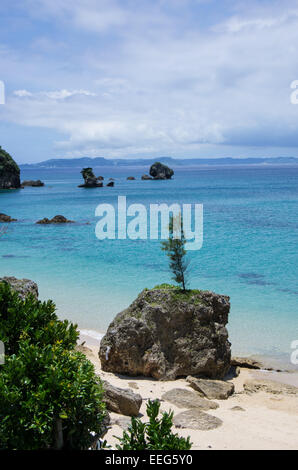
175	250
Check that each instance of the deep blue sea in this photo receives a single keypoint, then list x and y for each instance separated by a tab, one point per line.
249	250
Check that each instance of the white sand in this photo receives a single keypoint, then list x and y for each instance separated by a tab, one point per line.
268	421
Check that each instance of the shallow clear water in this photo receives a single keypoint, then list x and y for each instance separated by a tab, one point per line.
249	250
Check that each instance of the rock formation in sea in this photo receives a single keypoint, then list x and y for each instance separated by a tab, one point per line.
166	333
58	219
32	183
159	171
90	180
111	184
9	171
22	286
130	178
146	177
6	218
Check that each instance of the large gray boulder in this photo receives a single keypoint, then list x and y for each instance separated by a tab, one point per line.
9	172
166	333
159	171
121	400
23	287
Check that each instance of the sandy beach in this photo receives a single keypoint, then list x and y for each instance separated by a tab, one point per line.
250	420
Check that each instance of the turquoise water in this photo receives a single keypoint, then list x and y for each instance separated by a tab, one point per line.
249	250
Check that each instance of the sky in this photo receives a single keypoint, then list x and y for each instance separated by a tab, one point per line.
141	78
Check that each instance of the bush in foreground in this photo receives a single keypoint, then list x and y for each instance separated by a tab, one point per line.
154	435
49	398
33	320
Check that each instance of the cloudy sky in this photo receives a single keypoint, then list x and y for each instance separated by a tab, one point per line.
133	78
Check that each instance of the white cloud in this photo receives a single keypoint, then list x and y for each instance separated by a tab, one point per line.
162	88
22	93
53	95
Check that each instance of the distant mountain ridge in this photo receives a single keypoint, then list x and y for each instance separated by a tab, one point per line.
174	162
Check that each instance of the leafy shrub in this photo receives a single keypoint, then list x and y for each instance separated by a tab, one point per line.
32	320
49	398
154	435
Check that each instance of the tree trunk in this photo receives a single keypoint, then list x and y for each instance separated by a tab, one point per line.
58	438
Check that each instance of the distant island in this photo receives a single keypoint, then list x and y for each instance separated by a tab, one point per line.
145	162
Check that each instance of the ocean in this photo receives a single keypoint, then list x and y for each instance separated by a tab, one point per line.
249	250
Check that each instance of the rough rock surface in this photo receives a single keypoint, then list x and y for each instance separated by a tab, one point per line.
245	362
6	218
120	400
269	386
195	419
187	399
166	333
90	180
146	177
212	389
58	219
22	286
111	184
159	171
34	184
9	172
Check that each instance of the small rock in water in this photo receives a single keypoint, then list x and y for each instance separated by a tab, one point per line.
32	183
246	363
58	219
159	171
6	218
90	180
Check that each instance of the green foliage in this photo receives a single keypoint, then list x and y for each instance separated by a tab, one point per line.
153	435
33	320
41	388
50	396
7	163
87	173
165	286
175	250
